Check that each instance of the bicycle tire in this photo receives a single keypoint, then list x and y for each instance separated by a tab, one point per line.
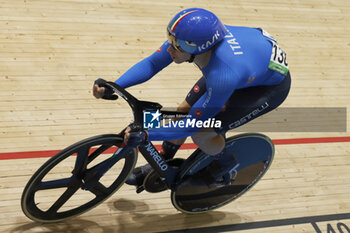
76	181
188	204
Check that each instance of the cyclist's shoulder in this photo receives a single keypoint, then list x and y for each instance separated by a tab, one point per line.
241	46
218	72
226	67
247	36
223	60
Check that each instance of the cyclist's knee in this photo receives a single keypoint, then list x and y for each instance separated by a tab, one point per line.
209	141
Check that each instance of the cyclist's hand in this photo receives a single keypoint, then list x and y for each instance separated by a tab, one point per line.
135	138
97	91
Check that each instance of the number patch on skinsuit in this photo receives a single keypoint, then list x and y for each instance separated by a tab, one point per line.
278	61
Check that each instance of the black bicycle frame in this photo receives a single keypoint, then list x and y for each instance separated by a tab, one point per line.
148	150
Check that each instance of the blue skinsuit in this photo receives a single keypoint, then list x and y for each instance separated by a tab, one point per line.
241	60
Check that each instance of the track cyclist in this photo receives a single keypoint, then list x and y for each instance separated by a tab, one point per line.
245	75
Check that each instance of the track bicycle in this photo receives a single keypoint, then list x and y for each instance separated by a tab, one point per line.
87	163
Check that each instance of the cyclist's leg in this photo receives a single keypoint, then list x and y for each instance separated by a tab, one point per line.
217	172
169	148
209	141
247	104
183	107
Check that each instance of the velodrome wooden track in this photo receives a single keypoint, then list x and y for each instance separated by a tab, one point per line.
51	52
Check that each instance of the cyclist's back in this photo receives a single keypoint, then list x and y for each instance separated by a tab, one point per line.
245	55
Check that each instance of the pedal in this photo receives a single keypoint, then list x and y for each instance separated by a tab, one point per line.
153	183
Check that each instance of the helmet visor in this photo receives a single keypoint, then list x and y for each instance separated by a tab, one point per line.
173	42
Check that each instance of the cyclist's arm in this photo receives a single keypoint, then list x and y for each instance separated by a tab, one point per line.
219	89
147	68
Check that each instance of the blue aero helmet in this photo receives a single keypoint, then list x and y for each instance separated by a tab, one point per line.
195	30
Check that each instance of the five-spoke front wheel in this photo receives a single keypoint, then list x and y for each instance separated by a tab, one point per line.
76	179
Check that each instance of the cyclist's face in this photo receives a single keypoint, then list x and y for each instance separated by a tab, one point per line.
178	56
176	53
